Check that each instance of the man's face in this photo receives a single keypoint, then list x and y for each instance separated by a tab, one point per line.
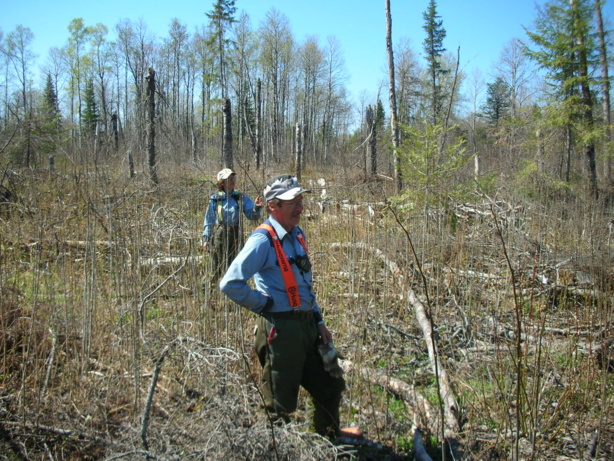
288	212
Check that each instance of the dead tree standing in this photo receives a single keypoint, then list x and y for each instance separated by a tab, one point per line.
393	99
372	127
258	123
115	127
151	127
299	149
227	137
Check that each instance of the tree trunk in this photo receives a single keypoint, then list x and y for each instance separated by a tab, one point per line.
299	150
115	131
151	127
393	100
258	123
372	126
568	152
540	152
194	146
589	146
607	171
227	137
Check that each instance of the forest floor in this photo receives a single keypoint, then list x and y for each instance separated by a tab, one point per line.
110	349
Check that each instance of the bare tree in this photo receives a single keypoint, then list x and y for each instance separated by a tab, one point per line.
298	136
407	71
151	126
276	58
20	57
101	55
204	57
137	47
334	78
393	100
311	74
258	123
75	53
371	116
227	135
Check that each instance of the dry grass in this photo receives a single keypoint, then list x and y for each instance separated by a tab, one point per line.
86	318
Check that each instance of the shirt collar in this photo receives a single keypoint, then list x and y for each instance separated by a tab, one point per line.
279	230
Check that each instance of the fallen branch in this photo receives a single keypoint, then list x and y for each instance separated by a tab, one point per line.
450	405
169	260
390	265
420	453
419	407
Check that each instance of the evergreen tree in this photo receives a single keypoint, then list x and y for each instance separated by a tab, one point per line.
433	48
48	122
91	114
497	101
221	17
51	106
565	48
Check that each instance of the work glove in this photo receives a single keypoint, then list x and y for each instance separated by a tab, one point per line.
330	359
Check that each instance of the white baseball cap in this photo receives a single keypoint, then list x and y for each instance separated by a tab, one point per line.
225	174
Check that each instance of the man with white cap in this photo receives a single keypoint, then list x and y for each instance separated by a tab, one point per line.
221	227
290	326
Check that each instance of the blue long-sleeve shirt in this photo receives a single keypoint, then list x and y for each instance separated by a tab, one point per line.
257	259
231	211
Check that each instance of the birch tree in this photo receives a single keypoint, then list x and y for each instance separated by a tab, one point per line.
276	58
79	35
393	100
20	57
100	51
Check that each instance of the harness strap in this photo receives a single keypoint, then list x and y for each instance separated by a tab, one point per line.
302	242
219	197
284	265
220	215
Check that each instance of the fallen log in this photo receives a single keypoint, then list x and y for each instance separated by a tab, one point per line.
419	407
450	406
390	265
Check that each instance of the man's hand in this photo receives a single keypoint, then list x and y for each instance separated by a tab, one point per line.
206	247
258	202
326	335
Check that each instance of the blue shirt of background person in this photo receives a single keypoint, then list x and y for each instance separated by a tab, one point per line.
232	202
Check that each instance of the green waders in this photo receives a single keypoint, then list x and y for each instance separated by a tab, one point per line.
290	359
225	245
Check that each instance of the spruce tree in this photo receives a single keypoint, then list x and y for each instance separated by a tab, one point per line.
564	46
497	101
91	114
434	49
49	121
51	106
221	17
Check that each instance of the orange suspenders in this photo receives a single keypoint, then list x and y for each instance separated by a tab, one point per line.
284	265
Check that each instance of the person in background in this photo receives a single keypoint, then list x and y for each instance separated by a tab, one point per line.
290	328
222	234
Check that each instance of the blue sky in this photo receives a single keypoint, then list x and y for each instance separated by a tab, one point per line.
481	28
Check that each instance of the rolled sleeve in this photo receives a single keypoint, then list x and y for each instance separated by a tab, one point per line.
252	258
209	222
251	211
